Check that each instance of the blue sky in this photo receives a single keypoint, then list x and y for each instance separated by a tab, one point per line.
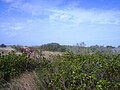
36	22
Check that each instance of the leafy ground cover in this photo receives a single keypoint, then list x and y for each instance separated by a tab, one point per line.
80	72
65	72
13	65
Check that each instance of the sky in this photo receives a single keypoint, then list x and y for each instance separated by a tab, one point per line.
36	22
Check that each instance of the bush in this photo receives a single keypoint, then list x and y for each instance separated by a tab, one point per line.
13	65
81	72
53	47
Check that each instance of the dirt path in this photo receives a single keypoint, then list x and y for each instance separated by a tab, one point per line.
26	81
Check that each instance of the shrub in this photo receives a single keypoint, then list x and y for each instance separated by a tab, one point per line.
12	65
81	72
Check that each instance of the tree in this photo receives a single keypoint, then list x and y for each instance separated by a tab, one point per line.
119	46
82	44
53	47
2	45
110	47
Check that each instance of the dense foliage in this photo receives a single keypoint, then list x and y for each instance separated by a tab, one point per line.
93	49
82	68
53	47
80	48
12	65
80	72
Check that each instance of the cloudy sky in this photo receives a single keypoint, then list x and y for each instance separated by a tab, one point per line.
35	22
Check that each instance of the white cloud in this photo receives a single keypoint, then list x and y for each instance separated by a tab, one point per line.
8	1
12	1
11	26
94	16
25	7
69	14
11	29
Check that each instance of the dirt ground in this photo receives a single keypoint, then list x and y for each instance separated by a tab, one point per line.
26	81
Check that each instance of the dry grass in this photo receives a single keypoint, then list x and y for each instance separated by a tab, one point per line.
49	54
26	81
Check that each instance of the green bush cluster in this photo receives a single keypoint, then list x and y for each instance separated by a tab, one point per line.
53	47
12	65
67	72
80	72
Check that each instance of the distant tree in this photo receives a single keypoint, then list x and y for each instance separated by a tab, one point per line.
53	47
17	47
82	44
2	45
119	46
110	47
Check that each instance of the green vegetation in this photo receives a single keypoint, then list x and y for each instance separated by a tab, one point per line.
17	47
53	47
13	65
80	72
79	68
79	48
